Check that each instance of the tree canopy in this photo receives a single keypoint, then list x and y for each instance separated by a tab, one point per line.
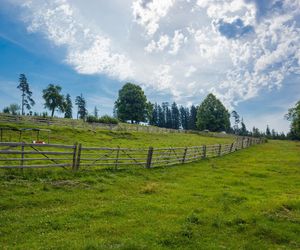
131	104
212	115
293	116
54	100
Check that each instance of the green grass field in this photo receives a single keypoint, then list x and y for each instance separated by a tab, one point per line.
98	137
246	200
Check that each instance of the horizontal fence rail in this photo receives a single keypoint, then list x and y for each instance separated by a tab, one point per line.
30	155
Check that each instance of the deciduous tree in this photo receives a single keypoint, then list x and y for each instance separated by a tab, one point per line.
54	100
212	115
131	104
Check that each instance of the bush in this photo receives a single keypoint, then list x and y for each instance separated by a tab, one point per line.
91	118
103	119
108	119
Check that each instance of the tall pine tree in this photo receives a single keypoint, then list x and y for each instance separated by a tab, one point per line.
27	101
193	118
68	107
175	116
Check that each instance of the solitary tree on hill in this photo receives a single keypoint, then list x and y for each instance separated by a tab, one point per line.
27	101
54	100
212	115
131	104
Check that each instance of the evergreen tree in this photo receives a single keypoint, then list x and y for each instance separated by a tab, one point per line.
212	115
154	119
193	118
81	105
149	108
68	107
184	117
161	117
131	104
168	118
243	131
268	133
27	101
175	116
236	118
96	111
54	100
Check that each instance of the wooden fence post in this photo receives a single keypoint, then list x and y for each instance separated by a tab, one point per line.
231	147
74	157
203	151
78	156
149	158
184	155
219	152
22	155
117	157
1	134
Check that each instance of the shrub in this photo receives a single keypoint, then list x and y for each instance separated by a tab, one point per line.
108	119
103	119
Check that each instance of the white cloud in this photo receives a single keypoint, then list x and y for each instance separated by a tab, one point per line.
149	12
88	52
160	45
177	42
172	44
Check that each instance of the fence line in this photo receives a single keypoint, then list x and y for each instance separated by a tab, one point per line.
75	123
29	155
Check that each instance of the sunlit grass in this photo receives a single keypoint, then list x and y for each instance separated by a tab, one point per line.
246	200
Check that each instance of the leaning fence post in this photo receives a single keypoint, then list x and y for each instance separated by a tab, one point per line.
74	157
231	147
149	157
219	152
203	151
78	156
184	155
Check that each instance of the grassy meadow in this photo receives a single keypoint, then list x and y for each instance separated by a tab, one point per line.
100	137
246	200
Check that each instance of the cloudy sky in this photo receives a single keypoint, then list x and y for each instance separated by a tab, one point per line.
247	52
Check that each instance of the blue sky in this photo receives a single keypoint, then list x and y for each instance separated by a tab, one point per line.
246	52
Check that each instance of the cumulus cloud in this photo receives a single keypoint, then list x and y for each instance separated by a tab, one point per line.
234	48
148	13
88	52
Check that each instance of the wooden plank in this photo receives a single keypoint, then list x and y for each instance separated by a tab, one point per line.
34	152
38	166
149	157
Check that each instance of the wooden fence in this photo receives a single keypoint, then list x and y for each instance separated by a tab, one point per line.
75	123
23	155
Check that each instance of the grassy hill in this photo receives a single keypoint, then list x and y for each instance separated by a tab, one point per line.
246	200
100	137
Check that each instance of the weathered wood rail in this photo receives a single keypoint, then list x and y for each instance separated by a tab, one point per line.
29	155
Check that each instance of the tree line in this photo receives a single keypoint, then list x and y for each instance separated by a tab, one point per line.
132	106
